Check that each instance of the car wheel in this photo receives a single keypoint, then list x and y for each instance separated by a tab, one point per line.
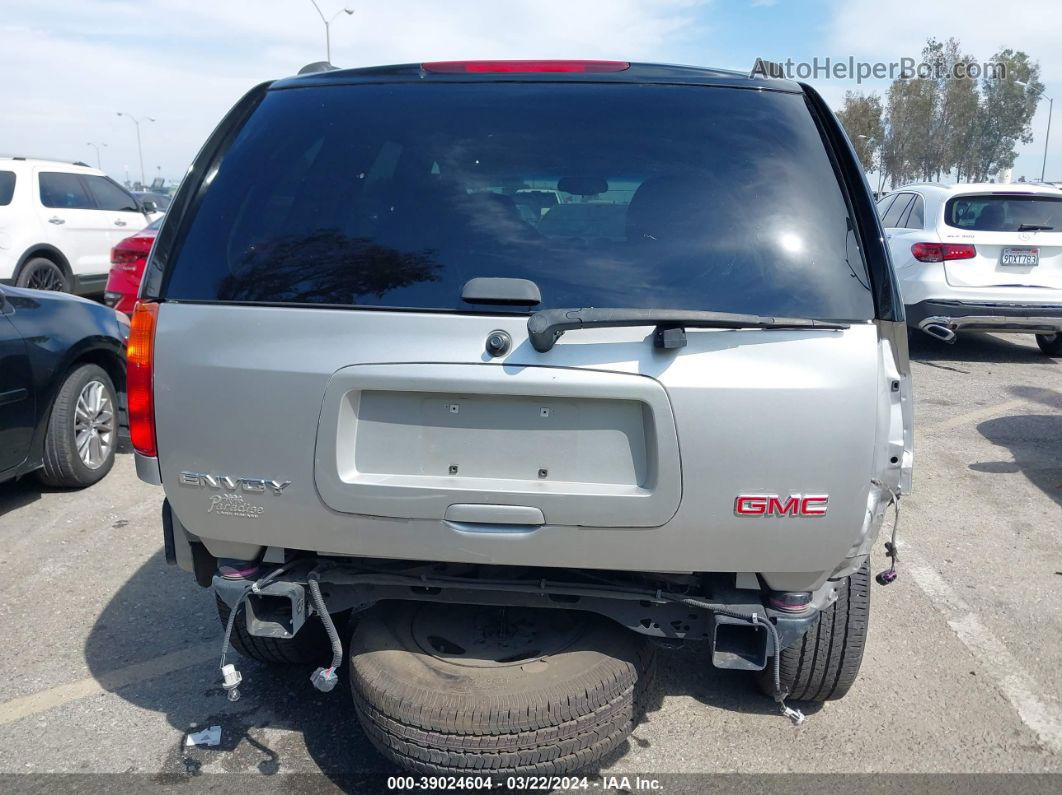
823	666
43	274
445	689
1050	344
82	434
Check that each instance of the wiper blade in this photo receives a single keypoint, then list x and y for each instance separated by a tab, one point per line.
546	327
1034	228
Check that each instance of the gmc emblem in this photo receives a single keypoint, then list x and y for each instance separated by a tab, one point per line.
757	505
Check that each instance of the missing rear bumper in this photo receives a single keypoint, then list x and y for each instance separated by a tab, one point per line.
658	614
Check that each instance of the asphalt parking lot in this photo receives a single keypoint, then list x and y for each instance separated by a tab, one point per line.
110	656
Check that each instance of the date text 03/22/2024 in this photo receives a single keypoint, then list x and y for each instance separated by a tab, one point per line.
530	783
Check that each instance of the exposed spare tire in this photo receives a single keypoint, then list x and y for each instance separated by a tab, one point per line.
447	689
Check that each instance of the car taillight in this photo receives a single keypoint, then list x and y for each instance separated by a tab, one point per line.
522	67
131	252
140	354
939	252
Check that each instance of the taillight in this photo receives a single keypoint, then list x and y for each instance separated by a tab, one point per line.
522	67
131	252
140	354
939	252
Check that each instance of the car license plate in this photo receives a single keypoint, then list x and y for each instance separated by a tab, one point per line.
1021	256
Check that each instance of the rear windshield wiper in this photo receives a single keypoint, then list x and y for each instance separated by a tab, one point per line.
1034	228
545	327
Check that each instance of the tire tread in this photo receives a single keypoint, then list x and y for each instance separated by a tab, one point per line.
558	728
825	664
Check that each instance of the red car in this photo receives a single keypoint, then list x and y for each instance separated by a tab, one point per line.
128	259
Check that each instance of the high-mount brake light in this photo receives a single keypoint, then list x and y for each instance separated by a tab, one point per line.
941	252
521	67
140	356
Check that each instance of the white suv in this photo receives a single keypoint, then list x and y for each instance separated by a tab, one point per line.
58	222
983	257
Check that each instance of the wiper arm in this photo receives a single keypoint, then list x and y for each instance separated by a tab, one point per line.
545	328
1034	228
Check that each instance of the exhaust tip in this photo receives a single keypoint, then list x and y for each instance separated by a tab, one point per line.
940	332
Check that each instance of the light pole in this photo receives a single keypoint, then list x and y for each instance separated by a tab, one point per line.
99	162
139	148
1050	112
328	30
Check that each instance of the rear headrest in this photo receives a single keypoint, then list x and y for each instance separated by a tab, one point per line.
669	207
991	216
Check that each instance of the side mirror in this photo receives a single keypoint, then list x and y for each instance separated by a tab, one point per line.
148	206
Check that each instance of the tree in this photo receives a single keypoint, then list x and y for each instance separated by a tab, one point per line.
862	120
955	108
907	154
942	121
1005	114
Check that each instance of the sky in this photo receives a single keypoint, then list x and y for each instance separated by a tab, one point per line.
72	65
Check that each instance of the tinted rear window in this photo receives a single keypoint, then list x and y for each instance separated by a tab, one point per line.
7	187
891	219
1004	213
604	195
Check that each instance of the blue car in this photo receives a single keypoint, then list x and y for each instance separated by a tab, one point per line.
62	369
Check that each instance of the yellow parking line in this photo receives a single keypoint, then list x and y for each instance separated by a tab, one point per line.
45	700
978	414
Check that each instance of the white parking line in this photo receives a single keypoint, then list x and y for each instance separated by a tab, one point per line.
1040	715
44	700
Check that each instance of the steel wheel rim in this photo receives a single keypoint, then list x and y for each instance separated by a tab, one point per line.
46	279
94	425
485	636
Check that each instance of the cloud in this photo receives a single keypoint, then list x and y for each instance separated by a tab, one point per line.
866	28
76	65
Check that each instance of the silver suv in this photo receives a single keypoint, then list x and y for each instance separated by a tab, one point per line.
477	379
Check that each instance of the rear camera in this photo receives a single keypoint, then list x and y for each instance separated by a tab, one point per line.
498	343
